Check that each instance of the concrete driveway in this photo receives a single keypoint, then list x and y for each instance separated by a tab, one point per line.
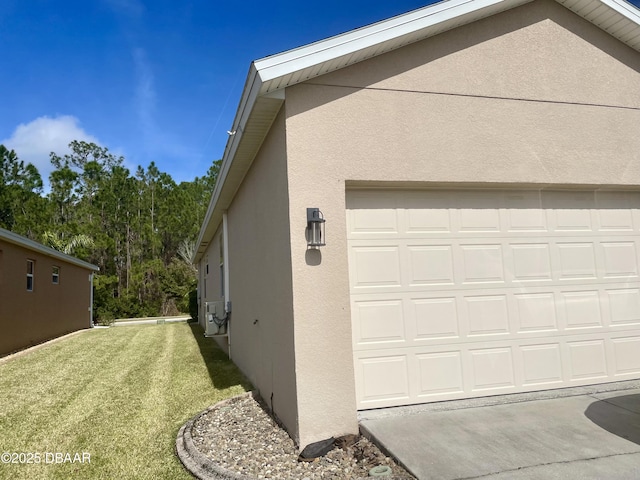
577	433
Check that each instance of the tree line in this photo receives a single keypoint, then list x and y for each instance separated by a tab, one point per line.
139	228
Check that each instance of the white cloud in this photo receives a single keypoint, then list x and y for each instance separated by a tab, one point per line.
145	94
34	141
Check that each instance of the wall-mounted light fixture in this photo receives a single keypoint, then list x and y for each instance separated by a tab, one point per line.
315	228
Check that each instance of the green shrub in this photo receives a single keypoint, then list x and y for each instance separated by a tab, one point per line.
104	317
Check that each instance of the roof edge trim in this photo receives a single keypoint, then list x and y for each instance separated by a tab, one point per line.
247	100
268	76
25	242
274	66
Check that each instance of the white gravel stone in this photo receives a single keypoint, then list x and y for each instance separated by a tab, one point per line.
241	437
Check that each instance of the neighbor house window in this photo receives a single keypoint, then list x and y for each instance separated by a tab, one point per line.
30	264
55	275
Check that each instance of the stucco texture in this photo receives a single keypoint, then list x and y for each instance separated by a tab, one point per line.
262	327
533	96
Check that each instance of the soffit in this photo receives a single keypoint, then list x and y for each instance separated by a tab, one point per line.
618	18
252	133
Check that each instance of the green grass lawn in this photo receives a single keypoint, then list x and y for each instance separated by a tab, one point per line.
118	394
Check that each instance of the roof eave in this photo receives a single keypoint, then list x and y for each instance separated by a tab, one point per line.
213	215
27	243
621	11
273	74
306	62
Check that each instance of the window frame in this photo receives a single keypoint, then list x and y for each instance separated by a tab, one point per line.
55	275
31	268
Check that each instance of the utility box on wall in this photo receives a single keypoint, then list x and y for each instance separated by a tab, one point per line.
217	317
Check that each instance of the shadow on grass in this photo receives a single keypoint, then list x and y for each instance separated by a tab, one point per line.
222	371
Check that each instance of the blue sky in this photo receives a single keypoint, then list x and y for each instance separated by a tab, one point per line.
152	80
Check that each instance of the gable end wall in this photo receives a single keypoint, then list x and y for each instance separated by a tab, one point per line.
534	96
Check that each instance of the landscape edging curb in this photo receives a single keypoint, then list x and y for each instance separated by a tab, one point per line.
194	461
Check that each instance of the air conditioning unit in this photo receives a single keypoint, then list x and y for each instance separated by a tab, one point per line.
217	316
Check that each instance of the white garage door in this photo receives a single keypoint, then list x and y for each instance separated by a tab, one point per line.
458	294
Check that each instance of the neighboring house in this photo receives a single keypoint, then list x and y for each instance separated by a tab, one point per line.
477	163
43	293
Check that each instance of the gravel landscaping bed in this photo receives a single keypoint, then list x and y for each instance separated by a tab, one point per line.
242	438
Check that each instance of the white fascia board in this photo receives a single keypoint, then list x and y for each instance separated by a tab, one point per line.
269	68
274	66
300	58
247	100
288	62
29	244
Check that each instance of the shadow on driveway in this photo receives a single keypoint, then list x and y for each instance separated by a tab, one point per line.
588	435
222	371
619	415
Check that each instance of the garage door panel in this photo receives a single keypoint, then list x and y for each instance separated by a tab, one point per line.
530	262
478	293
477	213
624	306
618	211
571	220
374	222
481	315
372	214
448	372
492	369
616	220
582	309
620	259
482	263
430	265
439	373
625	356
541	365
569	211
536	312
379	322
587	360
376	266
435	318
524	213
427	213
576	260
383	378
486	315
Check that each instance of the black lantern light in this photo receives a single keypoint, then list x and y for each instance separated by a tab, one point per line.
315	228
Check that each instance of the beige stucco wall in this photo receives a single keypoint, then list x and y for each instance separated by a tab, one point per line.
50	310
210	283
262	327
535	95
